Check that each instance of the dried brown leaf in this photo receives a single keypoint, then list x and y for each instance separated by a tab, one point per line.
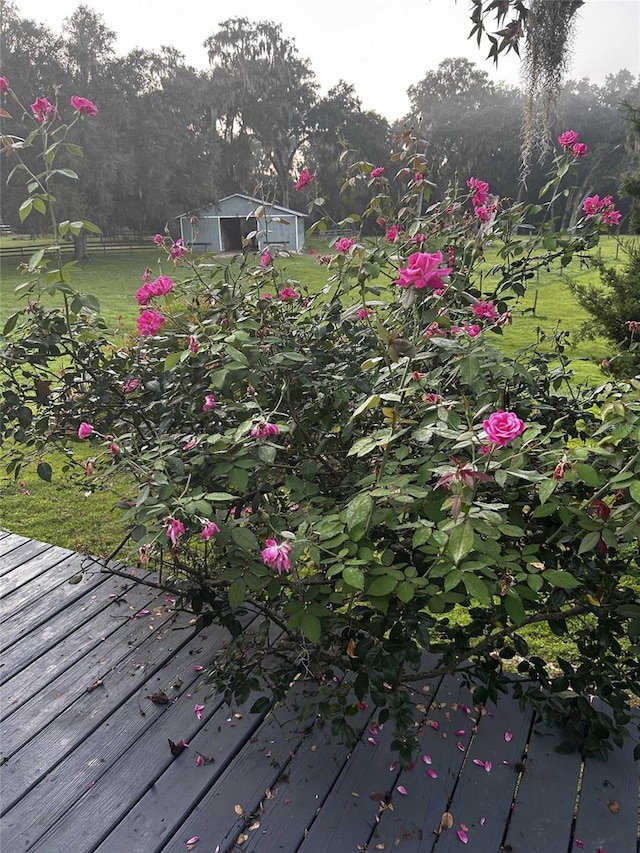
238	809
446	822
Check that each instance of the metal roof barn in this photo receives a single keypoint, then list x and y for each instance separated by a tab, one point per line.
223	226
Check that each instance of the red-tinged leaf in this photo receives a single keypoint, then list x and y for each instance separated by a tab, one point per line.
462	835
176	748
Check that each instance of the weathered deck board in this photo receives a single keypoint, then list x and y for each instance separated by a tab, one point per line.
92	772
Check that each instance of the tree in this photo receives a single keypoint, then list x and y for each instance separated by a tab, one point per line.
546	26
267	90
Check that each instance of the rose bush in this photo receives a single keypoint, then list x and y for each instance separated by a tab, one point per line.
361	467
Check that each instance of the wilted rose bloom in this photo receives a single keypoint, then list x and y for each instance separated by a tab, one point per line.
130	385
471	330
432	398
277	556
209	530
158	239
305	177
114	449
479	191
146	275
288	294
423	270
41	108
579	150
174	528
378	172
84	106
4	84
568	138
264	429
149	322
392	233
194	344
343	245
502	427
177	250
209	403
485	310
265	259
85	430
363	313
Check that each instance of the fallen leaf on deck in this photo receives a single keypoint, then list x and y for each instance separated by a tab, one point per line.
160	698
95	684
614	806
238	809
446	822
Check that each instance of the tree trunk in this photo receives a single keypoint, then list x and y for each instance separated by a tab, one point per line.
80	246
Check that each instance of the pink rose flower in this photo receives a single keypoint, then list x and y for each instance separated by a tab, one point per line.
363	313
485	310
288	294
479	191
209	403
277	556
209	530
593	205
579	150
423	270
174	528
378	172
84	106
265	260
392	233
502	427
343	245
264	429
305	177
149	323
568	138
41	109
85	430
484	212
158	240
4	85
611	217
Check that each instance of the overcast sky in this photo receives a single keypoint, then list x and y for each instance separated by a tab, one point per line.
379	46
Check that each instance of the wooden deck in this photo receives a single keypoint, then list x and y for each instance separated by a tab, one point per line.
87	765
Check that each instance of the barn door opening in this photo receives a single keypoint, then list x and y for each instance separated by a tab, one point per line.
234	230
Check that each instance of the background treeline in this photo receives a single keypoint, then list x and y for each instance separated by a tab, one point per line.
170	138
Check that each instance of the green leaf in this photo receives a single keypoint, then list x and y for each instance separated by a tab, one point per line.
68	173
587	474
244	538
634	491
75	579
39	205
589	541
546	489
91	226
460	542
220	496
359	511
311	627
261	705
476	588
25	209
514	607
44	471
236	355
237	593
267	453
370	403
171	360
405	591
72	148
381	586
563	580
353	576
